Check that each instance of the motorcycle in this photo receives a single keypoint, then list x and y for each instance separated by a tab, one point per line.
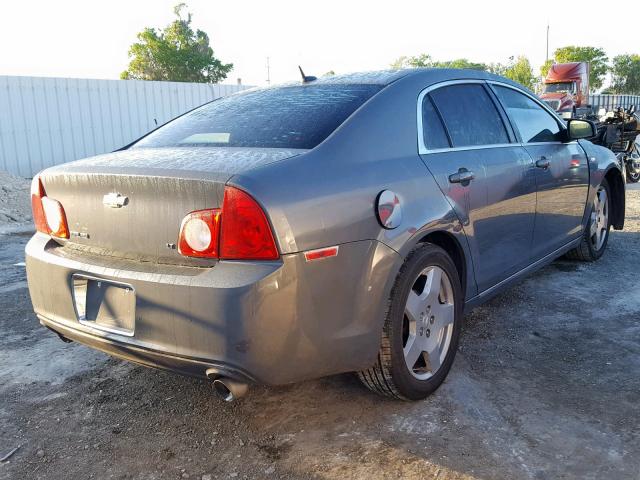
618	131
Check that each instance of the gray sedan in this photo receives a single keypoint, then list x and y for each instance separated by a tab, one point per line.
334	225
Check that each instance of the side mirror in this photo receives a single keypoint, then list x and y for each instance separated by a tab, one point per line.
577	129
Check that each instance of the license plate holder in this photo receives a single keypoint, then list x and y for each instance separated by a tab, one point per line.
104	304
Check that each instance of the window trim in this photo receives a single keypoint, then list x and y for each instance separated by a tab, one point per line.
422	148
535	100
439	115
511	131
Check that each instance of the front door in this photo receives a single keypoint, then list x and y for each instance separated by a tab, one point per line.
562	172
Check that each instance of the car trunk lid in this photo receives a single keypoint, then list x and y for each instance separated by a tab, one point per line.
130	204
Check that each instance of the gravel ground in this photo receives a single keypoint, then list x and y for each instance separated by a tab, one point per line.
545	386
15	208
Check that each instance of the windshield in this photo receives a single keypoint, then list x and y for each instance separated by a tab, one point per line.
559	87
285	117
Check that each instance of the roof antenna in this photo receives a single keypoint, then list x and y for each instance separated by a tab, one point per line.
305	78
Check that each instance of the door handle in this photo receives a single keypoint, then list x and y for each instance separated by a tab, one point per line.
462	176
543	163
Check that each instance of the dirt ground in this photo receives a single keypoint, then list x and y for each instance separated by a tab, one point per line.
545	386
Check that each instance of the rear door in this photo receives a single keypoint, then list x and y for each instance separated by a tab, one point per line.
488	177
562	171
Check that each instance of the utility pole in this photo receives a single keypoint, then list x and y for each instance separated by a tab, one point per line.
547	57
268	73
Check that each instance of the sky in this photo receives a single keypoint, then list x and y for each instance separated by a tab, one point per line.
91	39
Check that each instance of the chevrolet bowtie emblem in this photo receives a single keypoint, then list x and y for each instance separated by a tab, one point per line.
115	200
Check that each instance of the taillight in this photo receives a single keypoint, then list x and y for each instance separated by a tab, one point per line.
48	214
246	233
37	192
238	231
199	234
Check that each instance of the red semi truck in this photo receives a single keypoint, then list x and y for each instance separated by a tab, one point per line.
566	88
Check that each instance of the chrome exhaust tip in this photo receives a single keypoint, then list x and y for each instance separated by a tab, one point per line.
228	389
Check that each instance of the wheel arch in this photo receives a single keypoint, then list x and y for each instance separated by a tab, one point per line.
617	189
450	244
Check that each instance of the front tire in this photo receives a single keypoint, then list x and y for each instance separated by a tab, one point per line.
422	327
596	234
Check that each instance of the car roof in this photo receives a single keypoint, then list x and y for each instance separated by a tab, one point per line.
427	76
377	77
437	75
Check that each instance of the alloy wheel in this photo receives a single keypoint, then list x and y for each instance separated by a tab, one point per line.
428	322
599	219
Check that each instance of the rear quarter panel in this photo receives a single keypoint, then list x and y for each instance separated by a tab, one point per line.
327	196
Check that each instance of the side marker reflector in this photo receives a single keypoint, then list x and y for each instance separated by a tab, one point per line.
321	253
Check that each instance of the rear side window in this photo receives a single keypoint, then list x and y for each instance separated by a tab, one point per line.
470	116
533	122
285	117
432	128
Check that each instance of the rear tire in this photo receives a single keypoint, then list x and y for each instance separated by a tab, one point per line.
633	174
596	235
422	327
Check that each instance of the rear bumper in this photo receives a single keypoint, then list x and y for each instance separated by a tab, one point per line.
265	322
150	358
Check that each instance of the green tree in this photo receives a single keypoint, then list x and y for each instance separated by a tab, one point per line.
496	68
424	60
418	61
626	74
596	57
175	53
519	70
461	63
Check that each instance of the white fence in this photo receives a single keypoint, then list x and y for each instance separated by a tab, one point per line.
47	121
609	102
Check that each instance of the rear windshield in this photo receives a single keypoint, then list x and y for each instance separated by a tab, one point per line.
285	117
